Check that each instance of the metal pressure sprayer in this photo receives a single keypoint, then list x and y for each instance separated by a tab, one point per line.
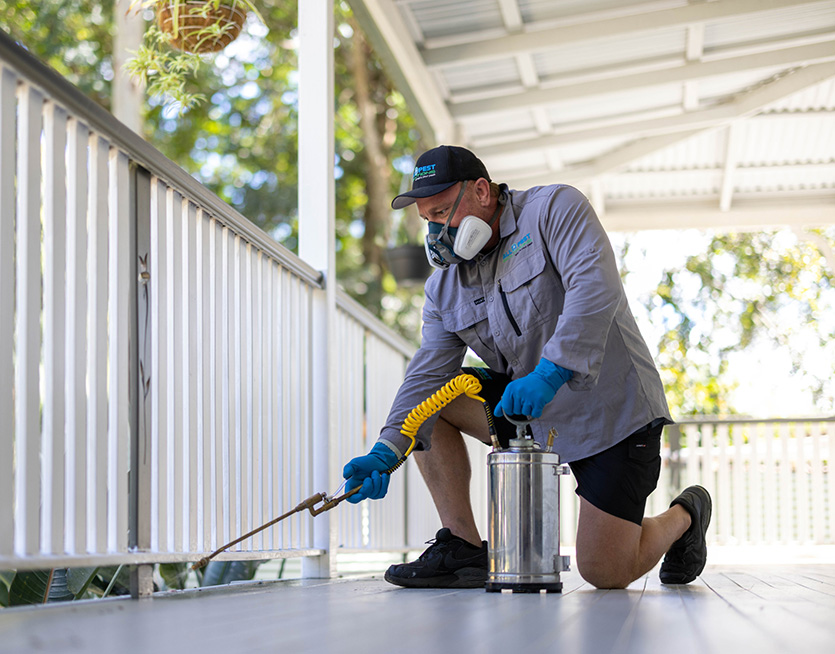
524	515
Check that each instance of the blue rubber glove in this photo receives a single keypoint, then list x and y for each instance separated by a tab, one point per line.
368	471
529	395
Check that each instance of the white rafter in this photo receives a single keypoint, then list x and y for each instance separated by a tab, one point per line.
731	157
783	57
683	125
535	40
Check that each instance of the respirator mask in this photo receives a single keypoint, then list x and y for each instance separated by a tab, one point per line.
446	245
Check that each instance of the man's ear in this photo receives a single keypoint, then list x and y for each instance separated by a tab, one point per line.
482	191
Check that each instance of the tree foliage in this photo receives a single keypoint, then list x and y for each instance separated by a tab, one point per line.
75	37
764	289
242	143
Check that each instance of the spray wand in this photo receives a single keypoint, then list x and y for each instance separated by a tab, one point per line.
463	384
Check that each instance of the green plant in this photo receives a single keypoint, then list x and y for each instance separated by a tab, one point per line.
174	45
21	587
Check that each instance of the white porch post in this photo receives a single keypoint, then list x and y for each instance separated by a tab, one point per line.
317	241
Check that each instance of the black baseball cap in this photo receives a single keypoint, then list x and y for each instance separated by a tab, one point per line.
438	169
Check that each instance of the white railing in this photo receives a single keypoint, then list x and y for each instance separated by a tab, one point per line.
771	480
156	355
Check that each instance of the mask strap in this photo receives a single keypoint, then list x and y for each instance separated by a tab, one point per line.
443	232
499	207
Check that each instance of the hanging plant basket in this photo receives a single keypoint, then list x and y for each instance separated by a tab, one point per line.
201	26
408	264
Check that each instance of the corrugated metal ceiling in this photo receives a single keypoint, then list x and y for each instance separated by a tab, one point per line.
639	104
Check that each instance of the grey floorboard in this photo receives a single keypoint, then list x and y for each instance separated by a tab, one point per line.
729	610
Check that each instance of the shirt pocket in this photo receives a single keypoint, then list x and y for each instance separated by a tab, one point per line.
531	291
464	320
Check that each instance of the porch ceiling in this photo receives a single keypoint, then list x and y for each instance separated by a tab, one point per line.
666	113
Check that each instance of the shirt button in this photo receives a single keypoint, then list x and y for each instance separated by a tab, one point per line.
491	298
496	333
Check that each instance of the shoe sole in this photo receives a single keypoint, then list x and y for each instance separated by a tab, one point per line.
463	578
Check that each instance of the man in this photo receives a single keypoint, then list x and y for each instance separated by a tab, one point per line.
529	282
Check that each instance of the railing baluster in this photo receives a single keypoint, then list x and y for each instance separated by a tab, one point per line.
205	345
803	509
830	480
280	395
246	392
772	508
755	471
160	366
740	490
218	314
54	320
191	501
122	219
214	482
77	344
8	101
257	476
28	323
817	489
270	400
97	350
227	388
237	377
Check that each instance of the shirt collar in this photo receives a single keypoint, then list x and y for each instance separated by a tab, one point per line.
507	221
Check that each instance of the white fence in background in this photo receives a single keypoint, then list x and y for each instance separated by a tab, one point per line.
771	480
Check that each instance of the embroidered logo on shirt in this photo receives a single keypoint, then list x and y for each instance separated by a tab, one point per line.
517	247
423	171
479	301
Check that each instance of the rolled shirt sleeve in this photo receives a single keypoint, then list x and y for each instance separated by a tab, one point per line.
437	361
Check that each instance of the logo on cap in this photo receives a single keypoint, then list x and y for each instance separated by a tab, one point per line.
422	172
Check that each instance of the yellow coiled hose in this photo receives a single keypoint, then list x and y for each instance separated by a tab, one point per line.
463	384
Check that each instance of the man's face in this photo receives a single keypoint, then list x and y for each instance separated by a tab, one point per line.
436	208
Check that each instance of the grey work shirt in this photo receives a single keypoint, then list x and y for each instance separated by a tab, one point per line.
551	289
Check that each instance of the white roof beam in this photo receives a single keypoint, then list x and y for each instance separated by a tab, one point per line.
694	50
532	40
731	157
792	56
684	125
693	214
511	16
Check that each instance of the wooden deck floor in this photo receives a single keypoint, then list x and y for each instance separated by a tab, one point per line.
733	610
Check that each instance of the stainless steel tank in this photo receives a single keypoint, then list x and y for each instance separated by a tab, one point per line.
524	517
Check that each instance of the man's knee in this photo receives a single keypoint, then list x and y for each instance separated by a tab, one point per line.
605	575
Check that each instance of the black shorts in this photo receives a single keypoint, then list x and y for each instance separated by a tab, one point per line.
617	480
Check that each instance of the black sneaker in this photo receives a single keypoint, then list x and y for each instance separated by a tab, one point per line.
449	562
686	559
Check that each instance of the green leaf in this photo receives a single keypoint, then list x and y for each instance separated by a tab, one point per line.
112	580
78	579
39	587
6	578
174	574
59	591
30	587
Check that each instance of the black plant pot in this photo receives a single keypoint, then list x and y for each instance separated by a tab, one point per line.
408	263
